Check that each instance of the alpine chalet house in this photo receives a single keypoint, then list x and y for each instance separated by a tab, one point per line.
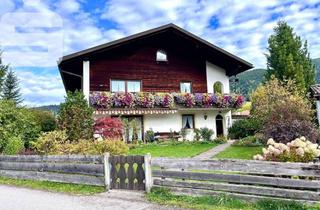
166	78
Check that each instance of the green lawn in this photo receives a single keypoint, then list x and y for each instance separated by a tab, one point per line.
222	202
77	189
240	152
172	149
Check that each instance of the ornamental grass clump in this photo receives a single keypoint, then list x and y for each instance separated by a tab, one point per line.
298	150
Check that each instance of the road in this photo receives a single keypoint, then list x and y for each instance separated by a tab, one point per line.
16	198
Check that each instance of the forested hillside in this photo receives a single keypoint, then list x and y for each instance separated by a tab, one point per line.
249	80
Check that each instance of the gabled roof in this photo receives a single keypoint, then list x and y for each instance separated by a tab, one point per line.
110	45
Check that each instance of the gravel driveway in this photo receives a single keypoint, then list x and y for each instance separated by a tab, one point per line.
15	198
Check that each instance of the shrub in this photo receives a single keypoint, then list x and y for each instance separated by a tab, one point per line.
109	128
220	140
250	141
149	136
284	131
284	112
206	134
298	150
75	117
114	147
44	119
14	146
197	135
267	99
243	128
16	122
48	143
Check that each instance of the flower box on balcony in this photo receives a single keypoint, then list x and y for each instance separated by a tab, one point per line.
147	100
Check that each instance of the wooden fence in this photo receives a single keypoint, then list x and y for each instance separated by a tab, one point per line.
250	180
98	170
77	169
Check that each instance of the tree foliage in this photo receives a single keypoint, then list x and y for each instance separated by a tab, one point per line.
45	119
75	117
3	71
16	122
289	58
10	88
283	111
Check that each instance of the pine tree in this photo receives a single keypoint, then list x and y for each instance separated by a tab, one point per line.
289	58
11	90
3	70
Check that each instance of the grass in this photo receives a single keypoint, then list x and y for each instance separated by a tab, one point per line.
222	202
172	149
76	189
240	152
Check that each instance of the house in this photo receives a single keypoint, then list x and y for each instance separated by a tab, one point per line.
315	95
166	78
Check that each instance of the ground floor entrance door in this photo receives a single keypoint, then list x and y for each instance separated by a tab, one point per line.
219	125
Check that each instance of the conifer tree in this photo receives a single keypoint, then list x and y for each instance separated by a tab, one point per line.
10	89
3	70
288	58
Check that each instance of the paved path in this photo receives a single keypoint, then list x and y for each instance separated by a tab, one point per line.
16	198
212	152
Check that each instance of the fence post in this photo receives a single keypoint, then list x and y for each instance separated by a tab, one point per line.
148	172
106	167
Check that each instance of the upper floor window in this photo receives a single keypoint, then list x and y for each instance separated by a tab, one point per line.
118	86
125	86
185	87
161	56
133	86
218	88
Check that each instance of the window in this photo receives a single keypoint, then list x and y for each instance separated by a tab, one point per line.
185	87
118	86
218	88
133	86
187	121
125	86
161	56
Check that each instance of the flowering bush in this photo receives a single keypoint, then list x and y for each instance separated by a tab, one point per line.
298	150
105	100
109	128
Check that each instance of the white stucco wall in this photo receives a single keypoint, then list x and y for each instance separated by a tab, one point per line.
216	74
164	122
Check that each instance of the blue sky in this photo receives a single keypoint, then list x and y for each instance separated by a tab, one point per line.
59	27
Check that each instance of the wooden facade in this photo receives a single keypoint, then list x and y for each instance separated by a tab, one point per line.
138	62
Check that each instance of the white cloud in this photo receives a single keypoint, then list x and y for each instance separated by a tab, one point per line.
40	89
242	27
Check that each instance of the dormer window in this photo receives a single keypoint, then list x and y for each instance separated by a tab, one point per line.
161	56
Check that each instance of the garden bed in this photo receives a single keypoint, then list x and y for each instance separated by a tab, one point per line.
240	152
172	149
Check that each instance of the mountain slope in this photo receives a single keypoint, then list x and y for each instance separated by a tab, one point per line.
249	80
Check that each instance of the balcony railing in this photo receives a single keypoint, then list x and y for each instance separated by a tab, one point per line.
107	100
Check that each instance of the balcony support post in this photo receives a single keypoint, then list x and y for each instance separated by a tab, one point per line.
86	79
